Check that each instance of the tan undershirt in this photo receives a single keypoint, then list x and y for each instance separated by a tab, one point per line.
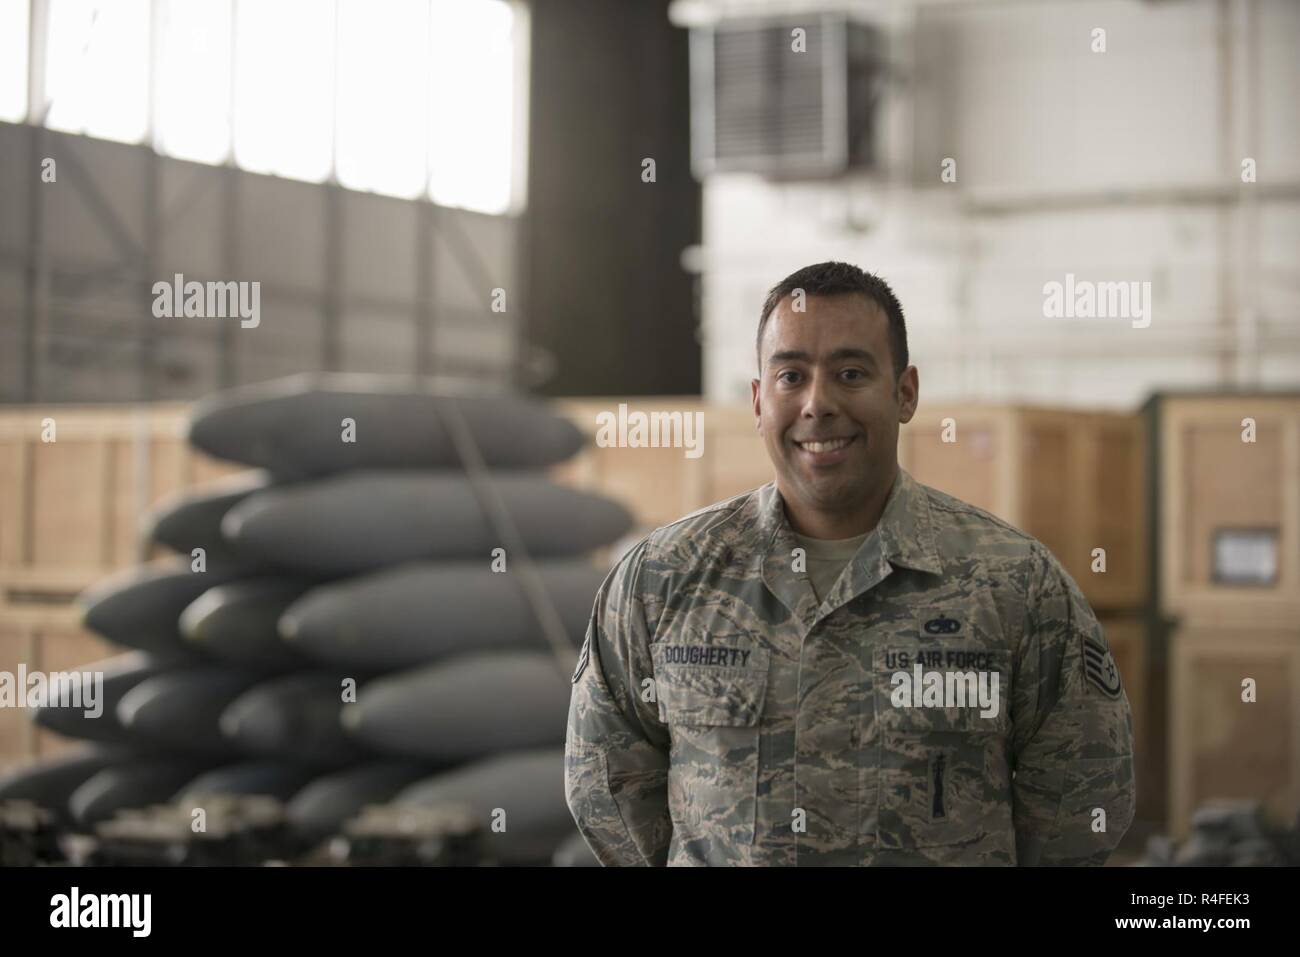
827	558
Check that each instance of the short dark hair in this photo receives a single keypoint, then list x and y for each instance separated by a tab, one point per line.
834	279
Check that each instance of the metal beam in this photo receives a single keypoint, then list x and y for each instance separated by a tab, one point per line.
153	238
230	225
36	285
195	188
424	314
84	183
333	292
37	36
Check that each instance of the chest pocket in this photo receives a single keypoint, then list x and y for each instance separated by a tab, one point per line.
714	713
703	694
941	710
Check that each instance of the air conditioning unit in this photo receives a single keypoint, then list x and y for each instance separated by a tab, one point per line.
790	97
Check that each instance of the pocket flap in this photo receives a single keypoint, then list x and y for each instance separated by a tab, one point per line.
704	687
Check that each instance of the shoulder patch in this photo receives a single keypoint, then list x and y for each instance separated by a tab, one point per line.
583	658
1100	669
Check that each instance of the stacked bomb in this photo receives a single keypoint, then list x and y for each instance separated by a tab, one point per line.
345	627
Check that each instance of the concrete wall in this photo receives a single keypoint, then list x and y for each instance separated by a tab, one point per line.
1122	165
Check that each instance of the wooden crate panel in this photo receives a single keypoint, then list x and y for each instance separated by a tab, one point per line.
1228	483
1209	480
739	463
63	509
17	737
1128	641
967	468
71	510
1073	480
659	485
1222	746
13	514
1119	477
47	642
1051	492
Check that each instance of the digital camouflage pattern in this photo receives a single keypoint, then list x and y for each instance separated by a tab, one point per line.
720	716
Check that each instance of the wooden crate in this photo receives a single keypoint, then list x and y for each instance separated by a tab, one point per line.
660	485
70	510
46	640
1130	645
1211	482
1221	746
1073	480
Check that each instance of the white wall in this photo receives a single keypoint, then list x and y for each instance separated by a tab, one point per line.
1115	166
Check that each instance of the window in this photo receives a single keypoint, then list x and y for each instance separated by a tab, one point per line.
382	96
471	123
13	60
193	88
97	70
284	87
408	98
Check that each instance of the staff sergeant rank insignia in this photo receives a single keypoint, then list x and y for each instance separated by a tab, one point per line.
1099	668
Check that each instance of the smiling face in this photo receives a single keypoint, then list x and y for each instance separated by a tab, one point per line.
828	407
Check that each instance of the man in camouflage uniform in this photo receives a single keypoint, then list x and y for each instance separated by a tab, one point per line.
844	666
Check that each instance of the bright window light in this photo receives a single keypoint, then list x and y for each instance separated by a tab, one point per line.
284	87
193	87
382	105
407	98
471	102
13	60
97	74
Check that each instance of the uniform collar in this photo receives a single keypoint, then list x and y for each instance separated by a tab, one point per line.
904	537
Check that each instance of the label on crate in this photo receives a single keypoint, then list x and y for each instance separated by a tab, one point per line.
1245	556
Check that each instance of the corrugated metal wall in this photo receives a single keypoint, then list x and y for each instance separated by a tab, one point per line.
349	281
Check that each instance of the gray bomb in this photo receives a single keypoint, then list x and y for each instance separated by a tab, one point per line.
527	787
236	623
360	522
182	710
277	779
192	518
464	708
294	717
423	612
299	427
319	809
140	607
134	783
120	674
51	781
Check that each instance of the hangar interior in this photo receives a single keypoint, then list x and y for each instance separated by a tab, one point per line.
480	231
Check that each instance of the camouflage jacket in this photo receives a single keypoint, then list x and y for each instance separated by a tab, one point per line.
720	715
